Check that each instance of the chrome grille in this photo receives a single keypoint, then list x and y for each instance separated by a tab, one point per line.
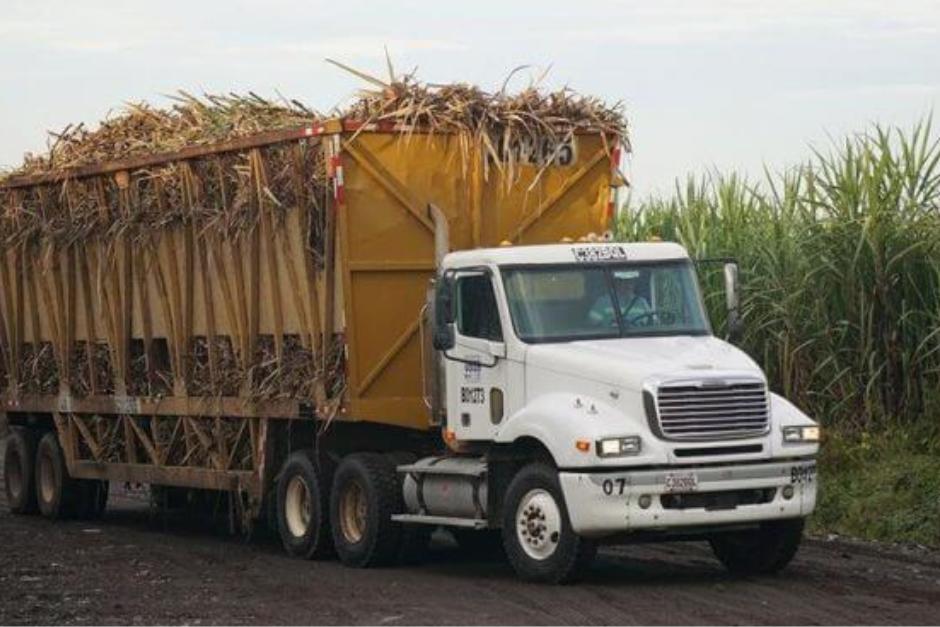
712	410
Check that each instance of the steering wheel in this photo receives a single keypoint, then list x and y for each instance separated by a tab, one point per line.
668	317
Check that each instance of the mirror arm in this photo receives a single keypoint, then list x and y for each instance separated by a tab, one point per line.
472	362
733	301
735	328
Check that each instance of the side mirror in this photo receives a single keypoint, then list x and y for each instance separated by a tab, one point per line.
444	314
444	338
733	302
444	300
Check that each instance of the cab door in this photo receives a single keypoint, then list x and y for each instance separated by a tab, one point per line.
476	365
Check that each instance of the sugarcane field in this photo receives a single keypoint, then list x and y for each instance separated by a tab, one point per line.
473	314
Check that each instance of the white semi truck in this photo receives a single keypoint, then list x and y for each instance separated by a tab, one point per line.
547	396
583	388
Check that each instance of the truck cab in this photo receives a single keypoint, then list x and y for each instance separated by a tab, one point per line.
597	365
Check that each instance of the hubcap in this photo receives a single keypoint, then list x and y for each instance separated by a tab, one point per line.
353	509
297	506
14	474
538	524
46	479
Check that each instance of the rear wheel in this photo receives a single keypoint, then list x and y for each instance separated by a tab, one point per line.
19	463
767	549
302	519
366	494
57	494
537	533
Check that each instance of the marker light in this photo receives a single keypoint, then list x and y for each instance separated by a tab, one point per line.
618	447
801	435
583	445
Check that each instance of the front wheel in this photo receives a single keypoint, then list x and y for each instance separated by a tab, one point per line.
537	534
767	549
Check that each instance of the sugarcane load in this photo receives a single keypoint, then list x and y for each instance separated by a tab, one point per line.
367	324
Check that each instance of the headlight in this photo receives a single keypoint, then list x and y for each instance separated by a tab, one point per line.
801	435
618	447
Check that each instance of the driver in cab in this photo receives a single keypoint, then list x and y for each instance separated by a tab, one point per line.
633	307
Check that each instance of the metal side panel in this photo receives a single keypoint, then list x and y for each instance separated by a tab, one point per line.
386	242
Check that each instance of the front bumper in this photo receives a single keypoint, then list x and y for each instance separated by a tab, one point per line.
605	503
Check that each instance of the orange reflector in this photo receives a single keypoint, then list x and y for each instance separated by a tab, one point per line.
583	445
449	435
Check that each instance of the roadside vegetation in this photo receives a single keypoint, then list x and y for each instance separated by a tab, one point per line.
840	265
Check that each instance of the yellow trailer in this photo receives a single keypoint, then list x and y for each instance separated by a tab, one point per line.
254	312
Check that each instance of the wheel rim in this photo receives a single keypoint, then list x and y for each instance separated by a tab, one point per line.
13	471
352	512
538	524
47	482
298	507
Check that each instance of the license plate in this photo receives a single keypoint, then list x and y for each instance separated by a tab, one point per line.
681	482
802	474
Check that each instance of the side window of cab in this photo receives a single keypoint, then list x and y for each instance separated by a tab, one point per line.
477	313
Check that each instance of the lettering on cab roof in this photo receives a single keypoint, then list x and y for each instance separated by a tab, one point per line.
586	254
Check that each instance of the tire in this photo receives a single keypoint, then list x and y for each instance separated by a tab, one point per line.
366	494
484	544
57	494
302	505
19	471
765	550
537	534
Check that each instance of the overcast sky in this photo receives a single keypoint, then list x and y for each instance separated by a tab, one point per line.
706	83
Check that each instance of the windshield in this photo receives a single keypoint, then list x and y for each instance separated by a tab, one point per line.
565	303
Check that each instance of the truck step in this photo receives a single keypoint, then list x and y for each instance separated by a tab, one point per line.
447	521
476	469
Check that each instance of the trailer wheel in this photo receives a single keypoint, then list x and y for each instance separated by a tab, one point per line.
537	533
57	494
762	551
19	464
302	519
366	493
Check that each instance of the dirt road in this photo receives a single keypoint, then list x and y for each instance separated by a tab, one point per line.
139	567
